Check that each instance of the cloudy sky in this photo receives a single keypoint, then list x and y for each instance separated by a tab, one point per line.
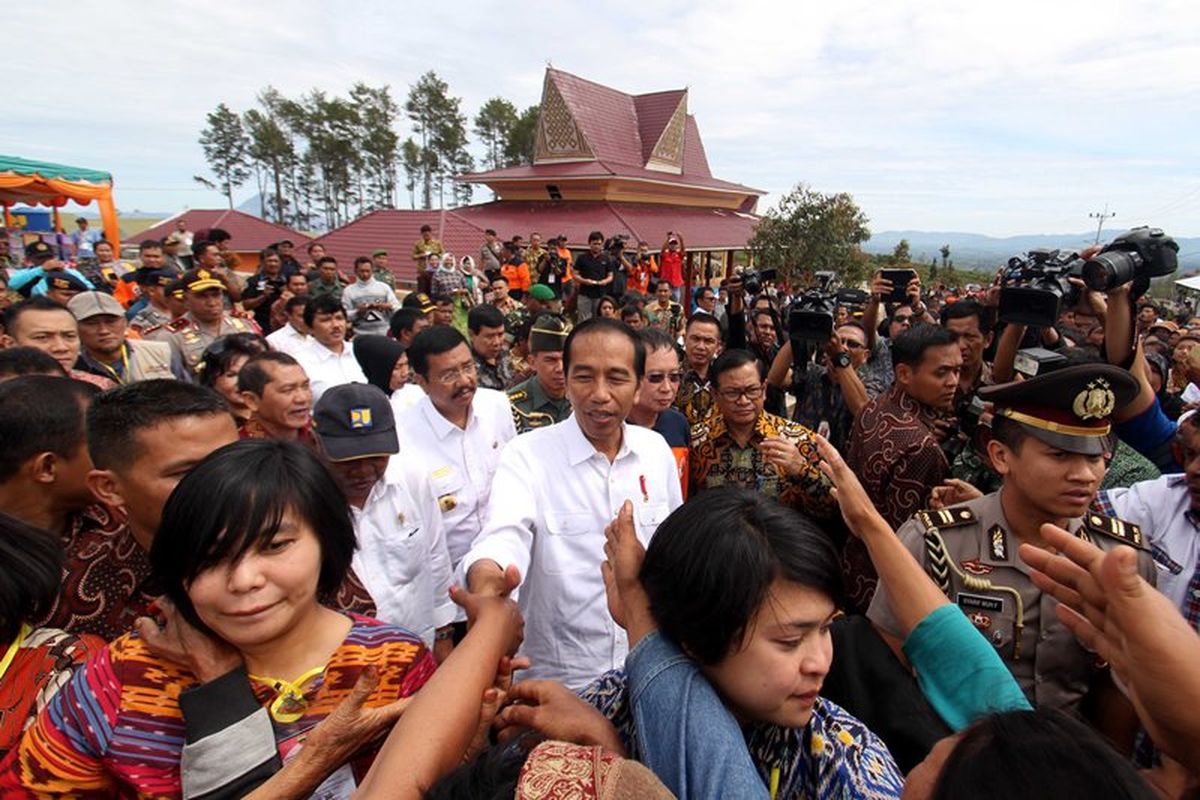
997	118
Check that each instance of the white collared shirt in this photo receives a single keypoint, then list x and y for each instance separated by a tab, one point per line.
552	497
405	398
401	556
458	463
1162	507
288	340
326	368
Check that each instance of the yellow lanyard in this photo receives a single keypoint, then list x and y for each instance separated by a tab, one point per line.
124	376
774	789
289	705
11	653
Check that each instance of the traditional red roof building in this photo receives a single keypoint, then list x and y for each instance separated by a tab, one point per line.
249	234
604	160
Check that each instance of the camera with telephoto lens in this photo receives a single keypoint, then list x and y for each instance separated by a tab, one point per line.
616	244
1036	287
1137	256
810	317
752	279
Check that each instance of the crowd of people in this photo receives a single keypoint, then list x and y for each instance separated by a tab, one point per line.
560	524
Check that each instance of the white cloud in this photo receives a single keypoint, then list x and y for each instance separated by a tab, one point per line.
998	118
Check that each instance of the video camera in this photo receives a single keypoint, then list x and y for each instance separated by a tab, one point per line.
1139	255
1036	287
752	279
616	244
810	317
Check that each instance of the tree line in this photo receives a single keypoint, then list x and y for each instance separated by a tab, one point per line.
321	160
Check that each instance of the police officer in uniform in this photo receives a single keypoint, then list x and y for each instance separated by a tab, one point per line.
154	282
541	399
205	320
1048	443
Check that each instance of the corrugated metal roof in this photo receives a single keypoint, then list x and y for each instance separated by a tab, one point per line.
654	111
247	231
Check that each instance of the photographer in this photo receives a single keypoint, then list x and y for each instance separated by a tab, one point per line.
621	266
551	269
671	261
264	287
902	317
642	269
515	271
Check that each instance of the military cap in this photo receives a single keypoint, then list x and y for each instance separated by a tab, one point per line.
419	301
548	334
175	288
200	279
355	420
39	249
379	252
58	279
86	305
541	291
1070	408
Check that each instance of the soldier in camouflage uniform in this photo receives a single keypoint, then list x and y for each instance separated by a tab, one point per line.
1048	445
541	399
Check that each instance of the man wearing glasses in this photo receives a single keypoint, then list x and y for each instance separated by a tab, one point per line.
455	433
739	444
830	394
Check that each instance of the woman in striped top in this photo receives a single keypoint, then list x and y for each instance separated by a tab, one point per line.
249	539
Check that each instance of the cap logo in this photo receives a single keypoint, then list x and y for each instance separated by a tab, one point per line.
203	275
61	283
1096	401
360	419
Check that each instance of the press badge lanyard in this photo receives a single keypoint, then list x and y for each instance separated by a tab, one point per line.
290	693
124	376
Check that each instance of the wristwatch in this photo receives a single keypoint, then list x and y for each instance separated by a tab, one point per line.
842	359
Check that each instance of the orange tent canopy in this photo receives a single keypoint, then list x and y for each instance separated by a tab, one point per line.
46	184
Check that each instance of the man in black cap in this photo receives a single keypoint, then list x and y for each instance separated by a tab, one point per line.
541	399
42	265
156	312
1047	442
205	320
61	285
401	555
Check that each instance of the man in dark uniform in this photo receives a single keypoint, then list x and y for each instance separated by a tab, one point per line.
541	399
1048	440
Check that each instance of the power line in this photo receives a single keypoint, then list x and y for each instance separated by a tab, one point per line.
1101	215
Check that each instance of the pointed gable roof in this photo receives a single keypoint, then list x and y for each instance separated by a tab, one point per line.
655	112
606	118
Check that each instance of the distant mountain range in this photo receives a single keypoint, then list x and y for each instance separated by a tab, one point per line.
976	251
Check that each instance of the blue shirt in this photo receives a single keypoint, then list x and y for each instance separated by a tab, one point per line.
23	277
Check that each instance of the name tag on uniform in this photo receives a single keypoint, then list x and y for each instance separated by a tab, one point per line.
979	602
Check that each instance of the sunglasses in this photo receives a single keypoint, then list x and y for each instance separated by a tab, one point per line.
658	377
901	318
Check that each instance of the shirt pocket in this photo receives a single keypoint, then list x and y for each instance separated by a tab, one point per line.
649	516
447	485
403	553
572	544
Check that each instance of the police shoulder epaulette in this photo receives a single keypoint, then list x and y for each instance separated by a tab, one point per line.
177	325
947	517
145	330
1124	532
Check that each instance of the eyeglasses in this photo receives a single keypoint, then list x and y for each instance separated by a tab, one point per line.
733	395
451	377
902	318
658	377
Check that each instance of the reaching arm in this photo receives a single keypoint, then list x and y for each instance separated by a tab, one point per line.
1006	353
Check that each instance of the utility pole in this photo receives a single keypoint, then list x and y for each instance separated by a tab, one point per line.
1101	216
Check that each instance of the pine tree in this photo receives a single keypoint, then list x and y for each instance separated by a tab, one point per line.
226	149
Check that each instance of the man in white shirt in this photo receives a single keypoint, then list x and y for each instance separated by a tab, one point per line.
455	433
1167	509
327	359
368	301
401	556
555	490
292	337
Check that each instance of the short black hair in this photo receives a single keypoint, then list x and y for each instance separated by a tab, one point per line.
296	301
630	310
1009	432
711	563
254	376
596	325
484	316
426	229
18	361
199	246
215	235
731	360
288	242
37	417
1034	754
116	416
257	481
442	299
39	302
655	339
704	318
31	562
969	307
489	232
403	320
224	350
910	346
595	236
312	246
322	304
432	341
363	260
326	260
149	244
